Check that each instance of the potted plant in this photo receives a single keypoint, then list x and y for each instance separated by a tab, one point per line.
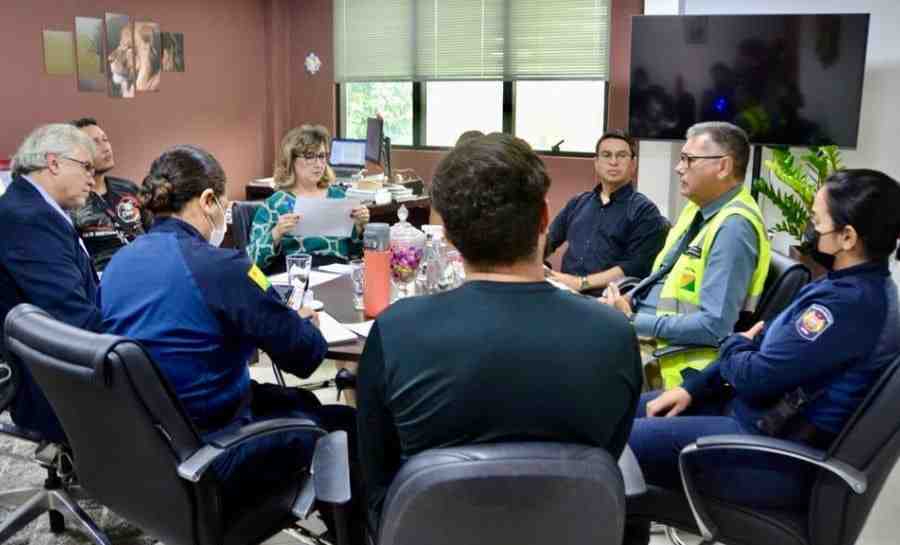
802	175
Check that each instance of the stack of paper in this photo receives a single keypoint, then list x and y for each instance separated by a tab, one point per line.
362	329
337	268
315	278
333	331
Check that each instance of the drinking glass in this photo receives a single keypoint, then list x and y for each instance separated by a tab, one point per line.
358	275
298	269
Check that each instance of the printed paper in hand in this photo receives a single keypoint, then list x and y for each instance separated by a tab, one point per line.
324	217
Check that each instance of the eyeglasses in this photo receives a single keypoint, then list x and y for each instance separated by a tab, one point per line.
86	165
619	155
310	156
687	159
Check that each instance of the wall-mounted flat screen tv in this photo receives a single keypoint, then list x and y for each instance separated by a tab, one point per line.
786	79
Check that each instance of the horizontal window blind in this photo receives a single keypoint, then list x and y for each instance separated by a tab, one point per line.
374	40
460	39
470	39
568	39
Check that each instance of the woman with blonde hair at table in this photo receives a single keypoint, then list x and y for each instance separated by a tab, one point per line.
301	170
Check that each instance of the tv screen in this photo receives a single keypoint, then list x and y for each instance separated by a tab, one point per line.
786	79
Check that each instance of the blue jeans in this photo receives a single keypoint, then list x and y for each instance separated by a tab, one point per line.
754	479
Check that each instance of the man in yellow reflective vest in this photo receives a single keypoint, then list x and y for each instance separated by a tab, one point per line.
714	263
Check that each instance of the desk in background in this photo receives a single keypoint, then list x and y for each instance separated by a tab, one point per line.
419	209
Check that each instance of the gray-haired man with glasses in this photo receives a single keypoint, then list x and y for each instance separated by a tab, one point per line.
42	259
612	231
715	259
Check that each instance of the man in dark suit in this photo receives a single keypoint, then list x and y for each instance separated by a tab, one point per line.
42	259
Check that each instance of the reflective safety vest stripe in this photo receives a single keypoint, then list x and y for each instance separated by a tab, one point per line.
681	293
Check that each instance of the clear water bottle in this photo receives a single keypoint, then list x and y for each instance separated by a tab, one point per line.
428	278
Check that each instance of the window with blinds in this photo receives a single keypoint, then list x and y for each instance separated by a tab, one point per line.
428	40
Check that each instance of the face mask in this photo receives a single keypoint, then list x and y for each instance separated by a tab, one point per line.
811	244
218	233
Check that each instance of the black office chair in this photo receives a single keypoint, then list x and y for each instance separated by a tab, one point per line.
849	478
137	452
522	493
242	214
786	277
57	495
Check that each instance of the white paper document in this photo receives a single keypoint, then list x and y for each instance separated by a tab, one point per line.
315	278
324	217
362	329
337	268
333	331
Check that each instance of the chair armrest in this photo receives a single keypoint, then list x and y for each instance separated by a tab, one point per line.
854	478
196	465
330	480
635	485
331	468
677	349
626	283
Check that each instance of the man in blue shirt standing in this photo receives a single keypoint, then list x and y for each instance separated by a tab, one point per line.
42	259
612	231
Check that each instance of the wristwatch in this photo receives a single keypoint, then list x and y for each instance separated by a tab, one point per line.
584	284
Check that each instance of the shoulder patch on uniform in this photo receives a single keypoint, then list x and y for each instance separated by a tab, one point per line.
813	322
259	278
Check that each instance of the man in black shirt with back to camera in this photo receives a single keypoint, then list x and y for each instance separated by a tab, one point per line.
506	356
112	216
612	231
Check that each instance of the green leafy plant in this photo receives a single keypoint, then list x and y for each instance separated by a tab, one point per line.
803	175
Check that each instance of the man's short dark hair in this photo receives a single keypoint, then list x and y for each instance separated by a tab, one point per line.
468	135
84	122
617	135
490	194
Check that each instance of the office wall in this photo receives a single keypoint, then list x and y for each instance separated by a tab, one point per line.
219	103
313	98
881	87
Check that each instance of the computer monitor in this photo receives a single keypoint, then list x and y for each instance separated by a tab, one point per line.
374	134
347	153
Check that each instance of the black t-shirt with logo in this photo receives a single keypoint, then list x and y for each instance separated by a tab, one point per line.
108	222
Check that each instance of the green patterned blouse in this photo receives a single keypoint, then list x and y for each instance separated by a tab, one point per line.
262	249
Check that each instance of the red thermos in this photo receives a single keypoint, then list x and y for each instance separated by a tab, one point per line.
377	257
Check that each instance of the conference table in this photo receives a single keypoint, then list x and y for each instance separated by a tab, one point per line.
337	296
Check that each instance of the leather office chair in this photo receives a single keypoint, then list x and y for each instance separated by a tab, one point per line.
57	495
137	452
786	277
849	477
523	493
242	214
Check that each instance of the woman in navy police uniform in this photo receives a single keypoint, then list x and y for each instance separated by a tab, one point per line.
830	345
201	312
